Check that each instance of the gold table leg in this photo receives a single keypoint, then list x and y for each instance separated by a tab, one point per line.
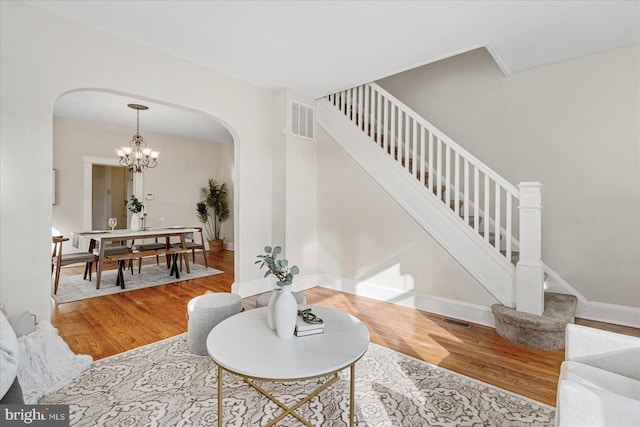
219	396
291	410
352	381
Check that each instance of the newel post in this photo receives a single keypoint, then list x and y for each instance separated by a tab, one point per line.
529	271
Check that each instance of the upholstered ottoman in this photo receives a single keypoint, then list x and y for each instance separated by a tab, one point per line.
205	312
263	300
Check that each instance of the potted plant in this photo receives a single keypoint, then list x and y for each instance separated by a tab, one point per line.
278	267
282	309
212	210
135	206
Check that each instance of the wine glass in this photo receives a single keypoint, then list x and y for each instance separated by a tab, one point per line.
112	223
161	219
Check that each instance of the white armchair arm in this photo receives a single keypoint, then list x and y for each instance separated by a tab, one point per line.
605	350
580	405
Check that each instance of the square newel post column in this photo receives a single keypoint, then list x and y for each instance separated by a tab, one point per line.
529	271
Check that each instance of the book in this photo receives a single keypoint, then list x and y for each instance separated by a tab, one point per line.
303	326
309	332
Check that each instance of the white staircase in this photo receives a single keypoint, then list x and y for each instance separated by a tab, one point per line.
489	225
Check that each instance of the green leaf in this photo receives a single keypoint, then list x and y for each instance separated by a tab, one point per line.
267	273
294	270
257	262
267	249
277	250
284	262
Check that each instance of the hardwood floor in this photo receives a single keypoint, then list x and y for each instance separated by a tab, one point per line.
112	324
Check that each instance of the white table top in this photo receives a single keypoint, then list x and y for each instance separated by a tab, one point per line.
126	234
244	344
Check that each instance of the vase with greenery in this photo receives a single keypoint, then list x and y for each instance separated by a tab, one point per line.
135	206
212	210
282	309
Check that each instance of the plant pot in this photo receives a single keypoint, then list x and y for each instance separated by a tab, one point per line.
216	245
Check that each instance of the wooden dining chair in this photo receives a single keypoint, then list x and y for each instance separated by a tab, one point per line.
58	260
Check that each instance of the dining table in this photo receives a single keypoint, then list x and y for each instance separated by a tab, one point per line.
100	239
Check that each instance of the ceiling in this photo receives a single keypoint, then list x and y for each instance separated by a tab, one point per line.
318	47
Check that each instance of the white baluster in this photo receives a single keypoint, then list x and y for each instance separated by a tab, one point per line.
509	230
439	168
423	135
431	178
392	130
400	144
379	119
456	188
496	223
487	206
386	135
367	125
466	192
447	181
415	149
476	199
360	109
407	139
343	102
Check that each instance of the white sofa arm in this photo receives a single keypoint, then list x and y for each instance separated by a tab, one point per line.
580	405
605	350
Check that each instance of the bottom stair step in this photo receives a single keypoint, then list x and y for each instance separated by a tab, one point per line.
545	332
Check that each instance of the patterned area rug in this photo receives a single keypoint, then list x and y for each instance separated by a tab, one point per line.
162	384
74	288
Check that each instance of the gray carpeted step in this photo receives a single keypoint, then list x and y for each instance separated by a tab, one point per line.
546	331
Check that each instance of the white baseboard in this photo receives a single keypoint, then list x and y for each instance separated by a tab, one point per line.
609	313
602	312
228	245
432	304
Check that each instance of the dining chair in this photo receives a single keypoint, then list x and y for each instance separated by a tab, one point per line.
58	260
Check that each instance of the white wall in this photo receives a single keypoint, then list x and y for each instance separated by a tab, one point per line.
184	167
365	236
294	188
574	126
42	57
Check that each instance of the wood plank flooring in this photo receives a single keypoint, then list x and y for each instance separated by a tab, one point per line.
112	324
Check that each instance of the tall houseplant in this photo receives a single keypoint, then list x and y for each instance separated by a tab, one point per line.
212	210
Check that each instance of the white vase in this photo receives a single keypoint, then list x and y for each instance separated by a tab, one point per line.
285	313
271	307
135	222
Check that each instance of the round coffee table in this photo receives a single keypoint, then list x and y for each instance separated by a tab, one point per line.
245	346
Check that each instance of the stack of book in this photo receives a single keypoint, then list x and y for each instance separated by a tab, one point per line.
303	328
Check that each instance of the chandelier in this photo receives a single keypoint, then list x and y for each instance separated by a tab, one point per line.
137	156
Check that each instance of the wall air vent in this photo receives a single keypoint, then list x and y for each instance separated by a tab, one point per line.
302	120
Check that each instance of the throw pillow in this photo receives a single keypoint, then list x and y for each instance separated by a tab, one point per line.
23	325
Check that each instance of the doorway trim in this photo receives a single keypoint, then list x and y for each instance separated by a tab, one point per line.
87	180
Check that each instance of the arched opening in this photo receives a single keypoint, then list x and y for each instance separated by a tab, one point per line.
90	124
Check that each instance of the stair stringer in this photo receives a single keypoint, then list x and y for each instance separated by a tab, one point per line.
493	271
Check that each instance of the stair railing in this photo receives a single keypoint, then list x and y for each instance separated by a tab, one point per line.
474	192
464	184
